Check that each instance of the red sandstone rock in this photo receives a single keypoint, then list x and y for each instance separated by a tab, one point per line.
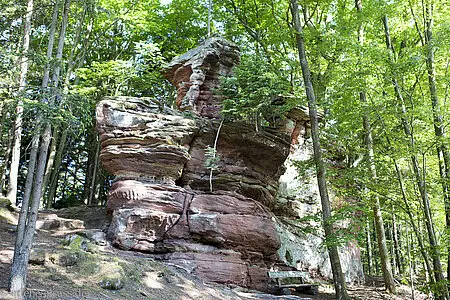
240	231
160	200
138	140
157	197
196	73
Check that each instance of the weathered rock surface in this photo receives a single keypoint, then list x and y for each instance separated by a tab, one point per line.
196	73
161	201
298	197
136	134
53	222
218	224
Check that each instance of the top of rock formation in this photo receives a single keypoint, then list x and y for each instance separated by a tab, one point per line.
196	74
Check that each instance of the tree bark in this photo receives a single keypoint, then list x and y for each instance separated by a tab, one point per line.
91	145
6	157
398	257
92	189
19	266
411	269
49	167
369	249
56	169
15	156
338	277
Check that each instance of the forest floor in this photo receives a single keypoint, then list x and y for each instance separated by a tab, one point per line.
61	270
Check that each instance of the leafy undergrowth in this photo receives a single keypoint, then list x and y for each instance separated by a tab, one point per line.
69	265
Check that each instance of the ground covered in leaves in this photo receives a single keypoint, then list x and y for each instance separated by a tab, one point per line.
68	262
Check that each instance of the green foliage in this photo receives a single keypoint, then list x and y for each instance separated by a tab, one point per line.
211	158
254	91
305	168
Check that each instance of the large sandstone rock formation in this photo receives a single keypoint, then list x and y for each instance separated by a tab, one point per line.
165	199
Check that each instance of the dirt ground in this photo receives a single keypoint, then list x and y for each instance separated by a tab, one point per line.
63	273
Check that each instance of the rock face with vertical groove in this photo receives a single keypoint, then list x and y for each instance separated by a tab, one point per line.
165	200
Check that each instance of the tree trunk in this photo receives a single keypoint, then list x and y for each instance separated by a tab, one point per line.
376	207
410	260
91	144
70	62
94	173
6	159
56	169
339	279
46	78
15	158
442	150
49	168
19	266
413	223
398	257
435	252
51	41
369	249
378	217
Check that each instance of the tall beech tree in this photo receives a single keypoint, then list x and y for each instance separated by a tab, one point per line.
24	64
338	277
443	152
377	213
38	160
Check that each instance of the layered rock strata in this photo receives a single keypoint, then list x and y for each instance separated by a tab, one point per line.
161	201
214	219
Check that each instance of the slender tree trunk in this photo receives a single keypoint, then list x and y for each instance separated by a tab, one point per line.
435	252
6	157
396	245
19	266
378	217
56	169
442	150
15	158
376	250
370	156
27	194
100	194
49	168
369	249
70	62
3	112
46	79
338	277
410	260
51	41
91	145
94	173
416	229
65	183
